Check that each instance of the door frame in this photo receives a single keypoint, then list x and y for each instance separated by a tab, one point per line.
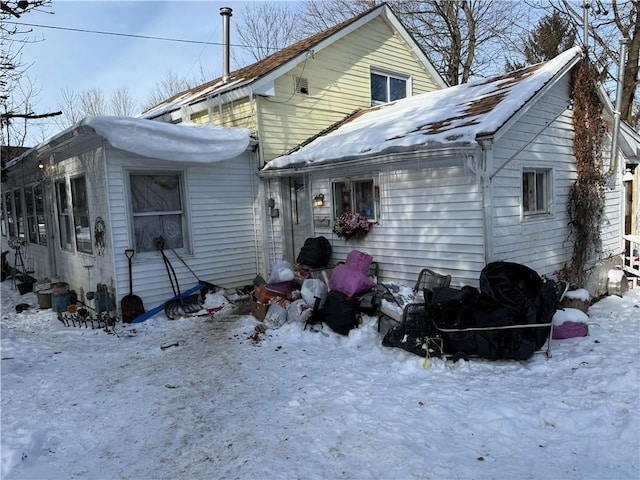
292	203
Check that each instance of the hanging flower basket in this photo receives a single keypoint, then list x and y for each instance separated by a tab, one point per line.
352	226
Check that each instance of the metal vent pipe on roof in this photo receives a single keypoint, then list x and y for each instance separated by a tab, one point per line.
613	164
226	13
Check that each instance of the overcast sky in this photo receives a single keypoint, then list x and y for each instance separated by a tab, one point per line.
76	60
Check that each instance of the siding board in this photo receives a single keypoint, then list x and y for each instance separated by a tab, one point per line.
221	226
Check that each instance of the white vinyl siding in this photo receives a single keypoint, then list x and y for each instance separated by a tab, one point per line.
540	242
429	217
224	235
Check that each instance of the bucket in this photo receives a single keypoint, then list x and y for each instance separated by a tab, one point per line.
59	288
60	297
44	299
60	302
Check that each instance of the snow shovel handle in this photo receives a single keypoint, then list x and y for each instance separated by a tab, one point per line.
184	263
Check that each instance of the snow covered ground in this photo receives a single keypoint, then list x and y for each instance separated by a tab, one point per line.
226	402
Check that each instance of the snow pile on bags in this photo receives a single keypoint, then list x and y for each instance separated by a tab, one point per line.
570	323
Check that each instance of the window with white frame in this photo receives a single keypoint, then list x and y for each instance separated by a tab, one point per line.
64	215
18	213
3	217
38	198
357	196
8	214
36	227
388	87
81	219
536	192
157	207
32	232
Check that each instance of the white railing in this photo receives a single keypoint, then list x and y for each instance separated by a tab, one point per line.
631	254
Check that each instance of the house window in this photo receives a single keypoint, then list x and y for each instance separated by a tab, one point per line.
36	228
354	196
536	192
387	87
38	198
157	207
64	215
81	220
17	210
32	232
3	219
8	212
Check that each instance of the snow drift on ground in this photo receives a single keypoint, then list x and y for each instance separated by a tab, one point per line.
211	398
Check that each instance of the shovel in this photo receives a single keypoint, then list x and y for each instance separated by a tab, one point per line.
206	286
180	306
131	305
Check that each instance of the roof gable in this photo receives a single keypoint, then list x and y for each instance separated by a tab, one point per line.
456	116
275	65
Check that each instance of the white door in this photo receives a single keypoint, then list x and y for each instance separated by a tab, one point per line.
301	217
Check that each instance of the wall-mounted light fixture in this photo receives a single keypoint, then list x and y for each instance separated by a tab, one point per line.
628	176
318	200
45	171
273	211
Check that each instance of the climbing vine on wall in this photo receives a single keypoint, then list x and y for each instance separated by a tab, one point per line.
586	196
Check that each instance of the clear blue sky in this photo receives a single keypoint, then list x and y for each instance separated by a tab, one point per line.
80	61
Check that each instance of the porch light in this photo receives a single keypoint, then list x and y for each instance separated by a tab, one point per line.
318	200
628	176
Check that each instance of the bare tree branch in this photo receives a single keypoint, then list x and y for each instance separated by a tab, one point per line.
267	27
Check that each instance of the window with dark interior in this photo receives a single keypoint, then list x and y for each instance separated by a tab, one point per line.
387	87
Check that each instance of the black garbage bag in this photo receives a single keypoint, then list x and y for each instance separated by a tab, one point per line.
416	334
510	295
315	253
340	312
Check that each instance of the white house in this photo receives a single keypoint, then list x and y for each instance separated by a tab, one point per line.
109	184
456	178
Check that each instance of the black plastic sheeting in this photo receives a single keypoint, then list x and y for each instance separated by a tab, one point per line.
486	319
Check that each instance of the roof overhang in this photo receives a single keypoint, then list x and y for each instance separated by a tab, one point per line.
629	143
146	138
435	155
55	144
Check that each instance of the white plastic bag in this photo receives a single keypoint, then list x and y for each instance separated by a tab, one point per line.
281	272
299	311
276	316
312	288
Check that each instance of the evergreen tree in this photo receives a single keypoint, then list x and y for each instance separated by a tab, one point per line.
551	36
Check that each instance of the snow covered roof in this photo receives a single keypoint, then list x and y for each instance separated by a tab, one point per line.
184	142
187	142
284	60
454	116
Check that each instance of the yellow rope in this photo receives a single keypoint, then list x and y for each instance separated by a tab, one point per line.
427	359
